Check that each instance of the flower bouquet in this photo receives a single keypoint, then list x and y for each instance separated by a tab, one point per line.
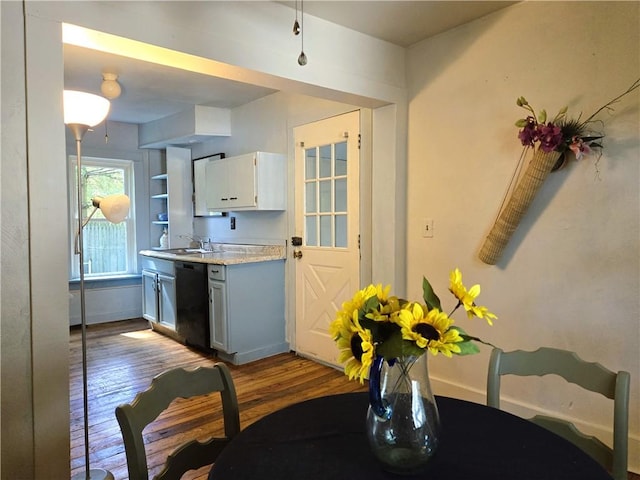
375	324
385	338
554	139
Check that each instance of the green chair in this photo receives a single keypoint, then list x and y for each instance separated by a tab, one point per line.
148	405
591	376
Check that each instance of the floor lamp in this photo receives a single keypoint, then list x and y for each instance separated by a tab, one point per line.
81	112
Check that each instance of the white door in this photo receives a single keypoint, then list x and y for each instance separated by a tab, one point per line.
326	219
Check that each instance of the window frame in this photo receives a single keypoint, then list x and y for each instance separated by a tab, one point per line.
130	221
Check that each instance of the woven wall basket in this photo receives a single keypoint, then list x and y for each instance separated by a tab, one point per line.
522	196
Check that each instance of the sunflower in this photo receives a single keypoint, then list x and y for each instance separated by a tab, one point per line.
355	344
432	331
466	298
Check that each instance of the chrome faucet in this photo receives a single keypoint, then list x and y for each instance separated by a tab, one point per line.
196	239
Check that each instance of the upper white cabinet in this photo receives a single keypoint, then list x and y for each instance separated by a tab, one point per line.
254	181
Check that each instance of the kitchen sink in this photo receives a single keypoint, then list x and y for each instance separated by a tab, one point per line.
185	251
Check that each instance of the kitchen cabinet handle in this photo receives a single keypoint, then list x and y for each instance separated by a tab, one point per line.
233	198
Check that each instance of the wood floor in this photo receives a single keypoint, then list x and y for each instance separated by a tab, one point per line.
124	356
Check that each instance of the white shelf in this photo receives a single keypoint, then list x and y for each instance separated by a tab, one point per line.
162	176
162	196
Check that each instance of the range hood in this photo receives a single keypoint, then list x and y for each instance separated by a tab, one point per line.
195	125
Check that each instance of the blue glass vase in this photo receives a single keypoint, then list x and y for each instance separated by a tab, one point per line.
403	424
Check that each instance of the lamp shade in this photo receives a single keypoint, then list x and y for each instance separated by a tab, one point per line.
114	207
81	108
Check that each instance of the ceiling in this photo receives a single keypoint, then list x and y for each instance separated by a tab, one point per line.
151	91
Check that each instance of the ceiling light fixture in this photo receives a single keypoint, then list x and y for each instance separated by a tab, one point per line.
296	24
110	87
302	58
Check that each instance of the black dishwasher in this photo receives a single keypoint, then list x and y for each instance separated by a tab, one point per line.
192	303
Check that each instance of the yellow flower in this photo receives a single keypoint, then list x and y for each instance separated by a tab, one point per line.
467	298
432	331
355	344
373	322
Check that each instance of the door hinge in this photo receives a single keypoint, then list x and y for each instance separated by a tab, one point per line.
302	144
358	241
359	140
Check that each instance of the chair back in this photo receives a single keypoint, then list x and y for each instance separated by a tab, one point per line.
590	376
148	405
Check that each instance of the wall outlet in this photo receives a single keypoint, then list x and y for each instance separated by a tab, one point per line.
427	227
232	221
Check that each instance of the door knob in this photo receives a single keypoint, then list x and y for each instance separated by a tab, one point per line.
297	254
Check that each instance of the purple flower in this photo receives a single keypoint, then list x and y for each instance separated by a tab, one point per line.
550	137
528	135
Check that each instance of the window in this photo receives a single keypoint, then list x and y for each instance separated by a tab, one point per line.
109	249
326	195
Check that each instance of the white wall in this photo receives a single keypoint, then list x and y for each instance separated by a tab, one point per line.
15	332
570	276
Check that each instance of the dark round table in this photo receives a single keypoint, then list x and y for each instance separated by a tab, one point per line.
325	438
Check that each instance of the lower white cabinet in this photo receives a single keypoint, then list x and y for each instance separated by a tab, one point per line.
246	311
159	292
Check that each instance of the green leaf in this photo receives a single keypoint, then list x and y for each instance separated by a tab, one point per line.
430	298
468	338
542	116
522	123
522	102
411	349
468	348
371	304
378	329
391	347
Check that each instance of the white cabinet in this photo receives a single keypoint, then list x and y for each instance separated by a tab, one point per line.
254	181
218	315
159	292
247	310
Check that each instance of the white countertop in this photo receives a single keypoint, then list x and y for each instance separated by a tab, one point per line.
222	254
